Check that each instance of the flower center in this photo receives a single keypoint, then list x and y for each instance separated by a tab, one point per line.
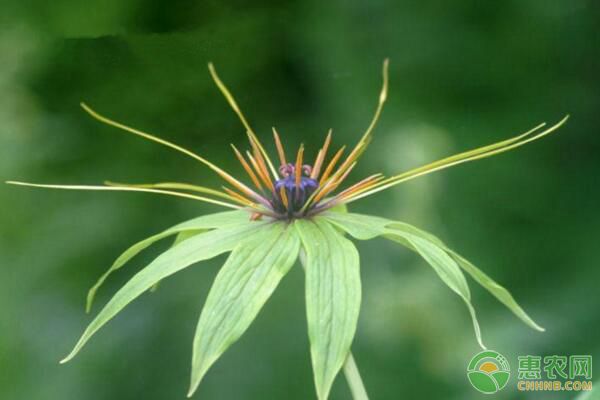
291	192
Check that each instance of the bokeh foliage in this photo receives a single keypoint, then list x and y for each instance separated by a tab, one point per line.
463	74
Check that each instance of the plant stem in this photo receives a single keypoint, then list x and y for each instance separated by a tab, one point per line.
357	387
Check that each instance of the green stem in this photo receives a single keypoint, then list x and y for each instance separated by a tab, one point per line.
357	387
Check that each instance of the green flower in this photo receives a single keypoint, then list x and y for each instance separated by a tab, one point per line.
295	211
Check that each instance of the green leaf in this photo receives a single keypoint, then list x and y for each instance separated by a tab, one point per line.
243	285
448	271
366	227
340	208
198	248
199	224
181	236
333	293
498	291
185	235
362	227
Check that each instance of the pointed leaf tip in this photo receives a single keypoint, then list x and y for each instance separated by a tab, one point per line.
195	225
243	285
188	252
448	271
365	227
333	295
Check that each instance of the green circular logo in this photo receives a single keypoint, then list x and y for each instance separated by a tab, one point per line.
488	371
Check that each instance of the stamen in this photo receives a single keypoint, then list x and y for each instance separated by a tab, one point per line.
246	190
331	185
360	185
332	163
261	162
348	161
344	176
323	180
279	146
317	165
239	197
259	170
298	167
284	198
339	198
247	168
321	156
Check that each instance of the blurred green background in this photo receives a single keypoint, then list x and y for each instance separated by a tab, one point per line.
463	74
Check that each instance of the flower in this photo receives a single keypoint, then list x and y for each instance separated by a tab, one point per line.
295	210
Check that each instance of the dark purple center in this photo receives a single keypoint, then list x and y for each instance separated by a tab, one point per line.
296	194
